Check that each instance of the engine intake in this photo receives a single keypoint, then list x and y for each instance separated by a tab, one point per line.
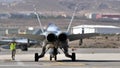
62	37
51	37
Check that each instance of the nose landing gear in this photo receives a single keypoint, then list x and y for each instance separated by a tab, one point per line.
53	56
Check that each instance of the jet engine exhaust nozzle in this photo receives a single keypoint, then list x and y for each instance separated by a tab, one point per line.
62	37
51	37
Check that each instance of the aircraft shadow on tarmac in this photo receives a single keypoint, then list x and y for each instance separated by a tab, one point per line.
89	61
74	61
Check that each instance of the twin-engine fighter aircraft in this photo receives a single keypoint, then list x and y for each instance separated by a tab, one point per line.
53	38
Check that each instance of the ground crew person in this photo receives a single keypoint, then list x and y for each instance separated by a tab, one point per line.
13	49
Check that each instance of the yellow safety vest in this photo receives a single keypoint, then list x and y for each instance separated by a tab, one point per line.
12	46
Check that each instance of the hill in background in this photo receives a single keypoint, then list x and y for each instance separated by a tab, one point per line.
55	7
67	6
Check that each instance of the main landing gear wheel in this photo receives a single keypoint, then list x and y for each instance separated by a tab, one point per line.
24	47
73	57
50	58
36	57
55	57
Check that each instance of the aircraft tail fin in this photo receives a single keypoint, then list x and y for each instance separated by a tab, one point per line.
38	18
73	16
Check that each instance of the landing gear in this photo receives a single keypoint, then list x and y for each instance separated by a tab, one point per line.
36	57
73	57
53	54
50	58
24	47
80	42
55	57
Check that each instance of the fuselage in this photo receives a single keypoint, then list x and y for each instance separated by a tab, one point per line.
54	36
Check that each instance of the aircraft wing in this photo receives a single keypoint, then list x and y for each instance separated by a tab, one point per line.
31	36
73	37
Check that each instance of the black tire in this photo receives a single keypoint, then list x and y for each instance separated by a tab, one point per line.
73	57
36	57
24	47
50	58
55	57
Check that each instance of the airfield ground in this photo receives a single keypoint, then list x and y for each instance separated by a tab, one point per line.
86	58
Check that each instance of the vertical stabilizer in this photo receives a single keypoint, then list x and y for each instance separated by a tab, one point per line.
38	18
72	17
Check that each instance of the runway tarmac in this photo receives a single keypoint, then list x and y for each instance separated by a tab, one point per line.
86	58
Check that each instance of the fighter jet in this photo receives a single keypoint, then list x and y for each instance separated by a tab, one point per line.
54	38
22	43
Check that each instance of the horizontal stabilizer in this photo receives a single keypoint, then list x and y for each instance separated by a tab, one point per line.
73	37
31	36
